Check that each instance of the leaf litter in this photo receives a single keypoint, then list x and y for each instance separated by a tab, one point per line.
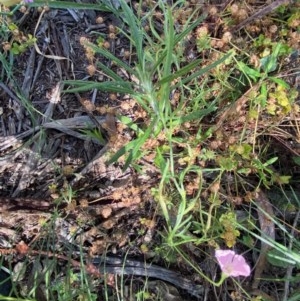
102	207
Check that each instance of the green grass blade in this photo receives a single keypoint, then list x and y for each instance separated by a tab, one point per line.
113	86
202	71
177	39
185	32
122	151
198	115
139	142
69	5
184	70
137	33
113	58
164	104
132	147
169	30
108	72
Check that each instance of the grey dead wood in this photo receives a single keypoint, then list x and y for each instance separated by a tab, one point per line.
261	13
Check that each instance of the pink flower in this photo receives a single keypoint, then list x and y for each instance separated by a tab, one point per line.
232	265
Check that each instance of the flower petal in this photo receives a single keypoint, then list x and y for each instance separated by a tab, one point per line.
224	257
232	264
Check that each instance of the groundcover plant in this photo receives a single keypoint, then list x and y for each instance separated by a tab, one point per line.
149	150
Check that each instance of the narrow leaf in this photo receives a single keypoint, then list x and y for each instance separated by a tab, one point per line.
110	56
68	5
202	71
180	72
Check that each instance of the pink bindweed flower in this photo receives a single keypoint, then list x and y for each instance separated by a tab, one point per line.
28	1
232	264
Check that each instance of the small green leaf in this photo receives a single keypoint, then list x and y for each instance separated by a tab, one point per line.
296	160
245	171
284	180
279	82
262	98
270	161
227	164
252	73
268	63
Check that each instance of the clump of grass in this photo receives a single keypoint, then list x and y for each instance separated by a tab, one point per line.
157	74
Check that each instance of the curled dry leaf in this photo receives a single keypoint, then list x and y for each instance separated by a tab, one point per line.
22	248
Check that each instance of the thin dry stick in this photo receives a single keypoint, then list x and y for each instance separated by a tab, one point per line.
23	249
8	204
261	13
268	230
11	94
291	267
